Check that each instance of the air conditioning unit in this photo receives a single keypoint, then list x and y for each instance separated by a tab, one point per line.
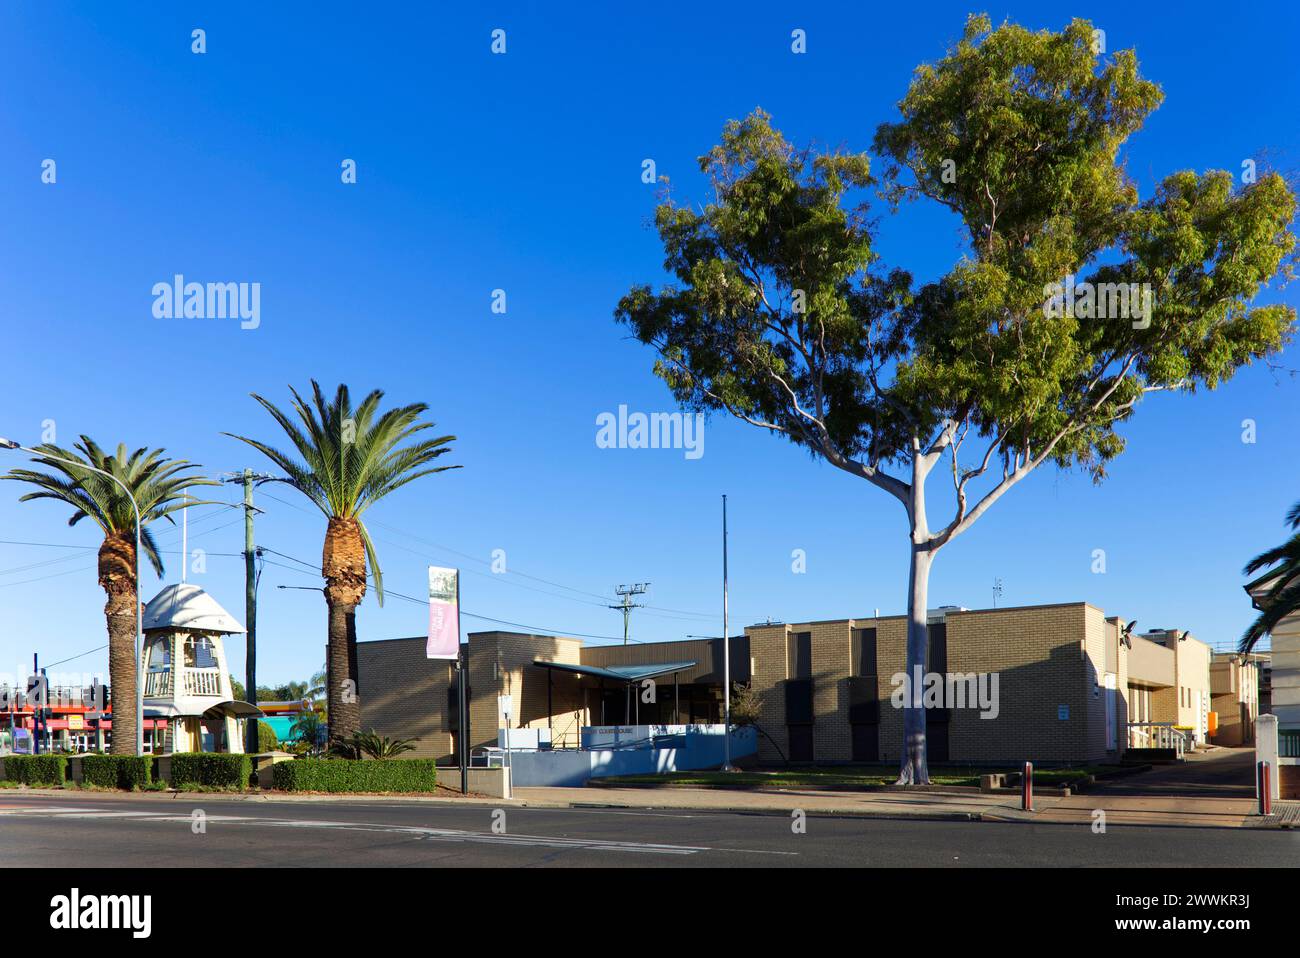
933	616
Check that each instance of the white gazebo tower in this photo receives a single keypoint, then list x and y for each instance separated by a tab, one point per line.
186	679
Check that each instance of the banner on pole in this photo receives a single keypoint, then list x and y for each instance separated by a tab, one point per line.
444	614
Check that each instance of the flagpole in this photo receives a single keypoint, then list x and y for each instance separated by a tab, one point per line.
726	652
461	704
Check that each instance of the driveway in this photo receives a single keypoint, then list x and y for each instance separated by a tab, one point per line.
1218	773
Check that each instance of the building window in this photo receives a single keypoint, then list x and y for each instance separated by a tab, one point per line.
937	635
159	657
864	652
799	655
864	699
200	653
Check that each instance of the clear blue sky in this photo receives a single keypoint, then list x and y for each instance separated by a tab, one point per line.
522	172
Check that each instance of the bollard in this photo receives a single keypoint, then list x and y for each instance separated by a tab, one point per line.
1027	788
1265	789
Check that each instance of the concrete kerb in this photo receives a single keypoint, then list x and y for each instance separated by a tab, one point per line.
1004	814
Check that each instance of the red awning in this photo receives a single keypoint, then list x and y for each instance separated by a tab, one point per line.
107	724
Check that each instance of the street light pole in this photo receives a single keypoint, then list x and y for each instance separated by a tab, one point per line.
139	633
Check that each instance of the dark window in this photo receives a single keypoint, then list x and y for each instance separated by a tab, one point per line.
801	743
864	701
864	651
936	742
800	655
798	701
938	653
866	743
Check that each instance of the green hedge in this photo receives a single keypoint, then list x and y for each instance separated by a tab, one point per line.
210	770
266	740
348	775
117	771
36	769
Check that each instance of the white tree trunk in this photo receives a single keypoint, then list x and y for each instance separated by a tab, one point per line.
913	768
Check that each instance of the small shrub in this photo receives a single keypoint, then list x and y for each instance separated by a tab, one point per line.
128	772
347	775
36	769
200	771
267	741
370	745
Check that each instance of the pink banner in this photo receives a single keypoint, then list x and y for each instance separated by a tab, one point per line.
444	614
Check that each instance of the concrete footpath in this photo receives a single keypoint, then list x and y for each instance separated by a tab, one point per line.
1079	809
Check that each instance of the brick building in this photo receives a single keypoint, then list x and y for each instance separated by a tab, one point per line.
1058	683
557	684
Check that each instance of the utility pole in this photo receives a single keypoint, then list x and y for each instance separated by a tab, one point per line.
627	605
997	591
251	553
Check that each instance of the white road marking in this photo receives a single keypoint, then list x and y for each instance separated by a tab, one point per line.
416	832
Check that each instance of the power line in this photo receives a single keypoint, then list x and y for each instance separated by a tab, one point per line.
81	656
535	629
676	614
56	575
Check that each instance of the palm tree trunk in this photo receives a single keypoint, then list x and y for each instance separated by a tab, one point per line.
117	577
344	701
343	565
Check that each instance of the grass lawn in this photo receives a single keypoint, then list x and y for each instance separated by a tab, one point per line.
844	777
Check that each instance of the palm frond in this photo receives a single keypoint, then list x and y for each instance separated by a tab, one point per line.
157	484
345	457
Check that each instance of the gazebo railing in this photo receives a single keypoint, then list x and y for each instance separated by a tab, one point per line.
157	684
201	681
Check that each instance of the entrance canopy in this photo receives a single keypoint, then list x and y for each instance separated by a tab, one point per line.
619	673
233	709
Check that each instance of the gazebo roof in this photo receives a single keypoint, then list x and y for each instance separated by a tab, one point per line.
186	606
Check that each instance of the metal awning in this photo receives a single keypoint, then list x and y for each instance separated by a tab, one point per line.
619	673
233	708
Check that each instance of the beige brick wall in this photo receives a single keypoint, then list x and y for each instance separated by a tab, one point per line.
501	663
404	695
1045	657
891	658
767	650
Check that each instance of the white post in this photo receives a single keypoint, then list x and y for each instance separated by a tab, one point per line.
503	701
1266	750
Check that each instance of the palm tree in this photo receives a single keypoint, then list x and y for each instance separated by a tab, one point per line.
1283	596
158	485
307	732
371	744
347	460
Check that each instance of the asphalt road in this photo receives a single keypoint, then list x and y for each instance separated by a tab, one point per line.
152	833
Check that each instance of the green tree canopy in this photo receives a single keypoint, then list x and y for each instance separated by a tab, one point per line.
781	313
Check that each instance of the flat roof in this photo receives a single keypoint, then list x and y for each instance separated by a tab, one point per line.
873	618
619	673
